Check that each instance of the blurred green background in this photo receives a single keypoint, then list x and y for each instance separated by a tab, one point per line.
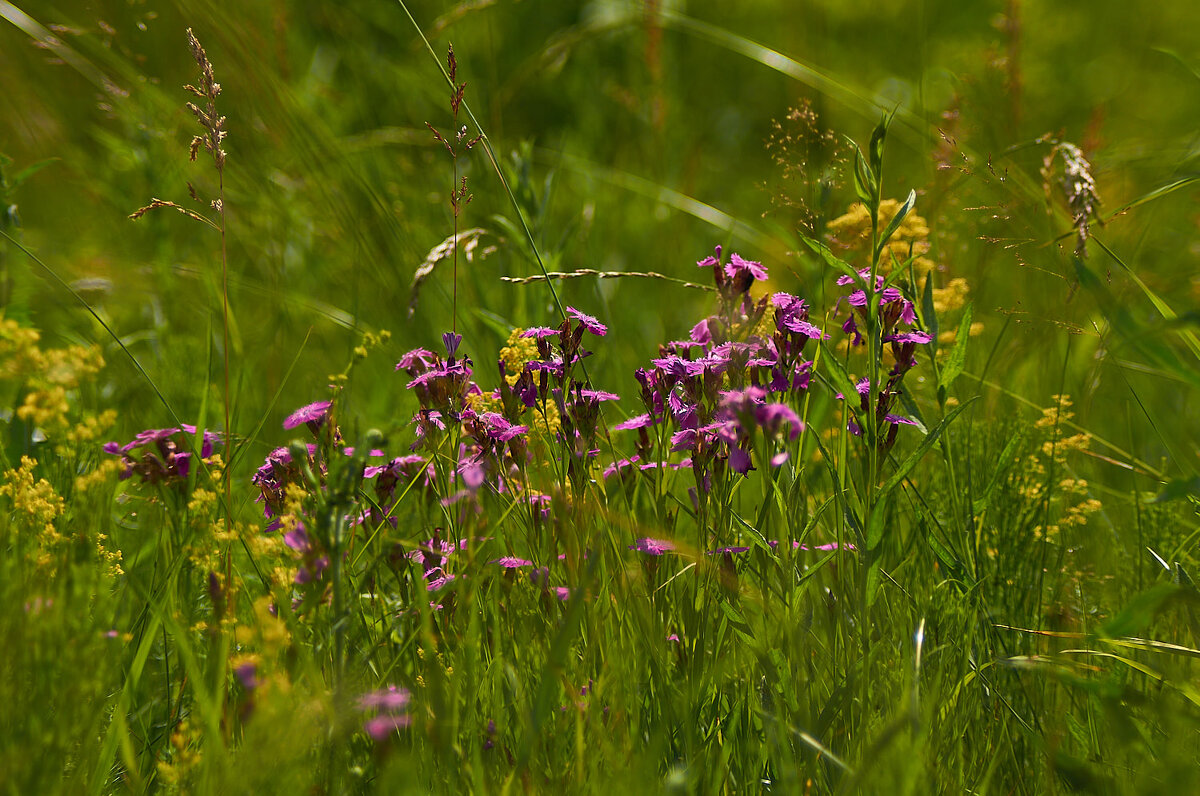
634	136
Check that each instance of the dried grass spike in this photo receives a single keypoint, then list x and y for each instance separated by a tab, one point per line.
467	239
1079	188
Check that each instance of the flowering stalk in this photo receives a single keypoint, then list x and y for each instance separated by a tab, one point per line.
459	197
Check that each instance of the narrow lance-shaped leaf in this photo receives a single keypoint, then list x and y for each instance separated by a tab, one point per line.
896	221
958	355
999	469
929	318
908	464
865	185
837	374
832	260
1139	612
875	148
30	170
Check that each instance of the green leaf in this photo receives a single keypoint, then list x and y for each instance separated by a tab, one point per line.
1133	333
875	148
875	525
874	579
998	471
929	318
864	180
899	271
1177	488
758	538
1183	579
958	355
1139	612
949	561
831	259
837	373
916	456
737	622
27	172
1157	193
500	326
896	221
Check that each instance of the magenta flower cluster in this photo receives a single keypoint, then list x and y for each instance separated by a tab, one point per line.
725	400
894	314
162	455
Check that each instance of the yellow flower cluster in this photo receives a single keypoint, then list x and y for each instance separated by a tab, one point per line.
37	504
48	376
110	558
35	507
481	402
951	297
208	530
444	670
517	352
46	408
268	633
19	353
92	427
21	359
183	756
852	233
105	470
1071	494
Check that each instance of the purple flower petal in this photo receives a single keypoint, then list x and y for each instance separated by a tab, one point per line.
739	460
416	360
149	436
897	420
639	421
247	675
653	547
313	413
391	698
599	395
620	465
511	562
910	337
738	265
380	727
798	326
591	324
539	332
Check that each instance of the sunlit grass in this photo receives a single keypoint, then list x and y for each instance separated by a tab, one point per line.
513	562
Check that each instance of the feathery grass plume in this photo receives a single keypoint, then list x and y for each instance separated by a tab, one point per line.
467	239
157	204
810	160
212	136
459	196
214	133
214	125
578	272
1078	186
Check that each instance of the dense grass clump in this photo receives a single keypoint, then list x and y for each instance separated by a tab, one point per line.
446	458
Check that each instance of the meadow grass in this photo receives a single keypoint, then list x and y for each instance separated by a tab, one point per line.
631	426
